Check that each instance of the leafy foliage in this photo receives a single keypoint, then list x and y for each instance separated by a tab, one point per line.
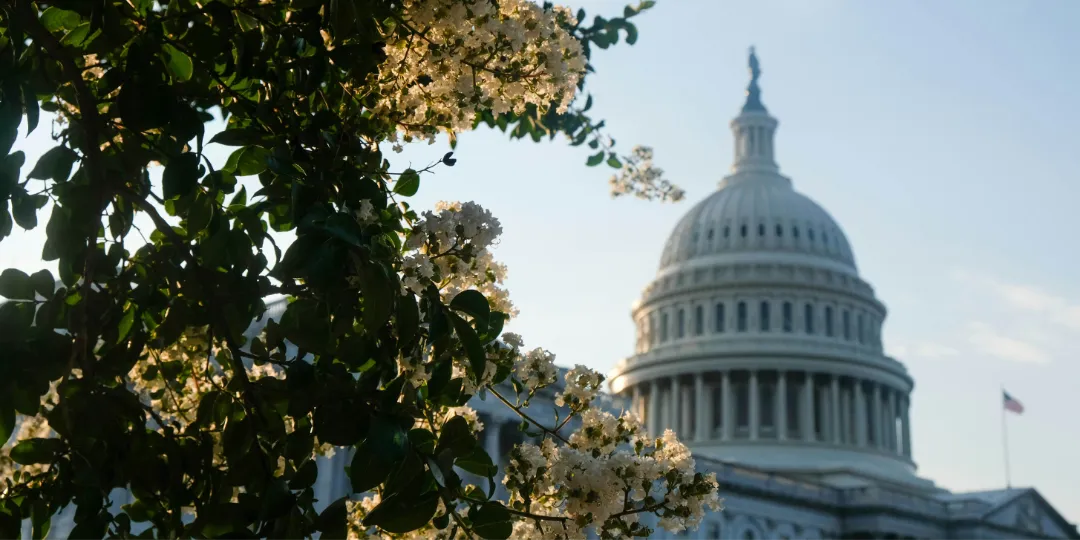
134	85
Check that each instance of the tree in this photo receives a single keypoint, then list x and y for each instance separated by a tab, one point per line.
136	373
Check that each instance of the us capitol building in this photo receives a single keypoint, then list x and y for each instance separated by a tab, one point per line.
760	345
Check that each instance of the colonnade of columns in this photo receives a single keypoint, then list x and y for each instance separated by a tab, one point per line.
778	405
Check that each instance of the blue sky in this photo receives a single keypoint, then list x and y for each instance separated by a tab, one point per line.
943	138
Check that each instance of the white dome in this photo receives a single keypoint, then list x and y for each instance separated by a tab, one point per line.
757	214
758	342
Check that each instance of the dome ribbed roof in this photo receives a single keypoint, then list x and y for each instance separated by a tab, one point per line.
756	214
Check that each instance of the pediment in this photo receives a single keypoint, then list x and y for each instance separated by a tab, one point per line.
1030	513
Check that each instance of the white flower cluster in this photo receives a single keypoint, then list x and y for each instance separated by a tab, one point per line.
174	379
640	178
536	370
356	511
449	59
582	386
607	475
450	247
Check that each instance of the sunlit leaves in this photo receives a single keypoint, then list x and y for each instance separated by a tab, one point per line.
179	63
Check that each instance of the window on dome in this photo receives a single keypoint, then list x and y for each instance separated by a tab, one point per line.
741	317
727	231
847	324
828	321
808	318
680	322
699	320
795	231
761	229
720	317
742	231
810	234
788	317
779	230
859	326
710	233
825	238
663	327
764	323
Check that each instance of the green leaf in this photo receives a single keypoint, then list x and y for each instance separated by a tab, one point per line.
305	476
125	324
16	285
383	449
178	63
331	522
473	303
613	162
54	164
247	161
54	19
237	137
43	283
7	420
24	209
378	295
397	514
408	183
33	111
456	437
475	351
181	175
31	451
408	318
595	159
491	520
477	462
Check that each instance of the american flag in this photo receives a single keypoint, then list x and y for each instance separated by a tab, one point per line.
1011	404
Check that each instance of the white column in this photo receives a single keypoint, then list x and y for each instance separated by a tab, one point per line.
672	406
905	420
685	429
728	406
701	409
875	409
834	416
781	406
755	403
807	424
860	414
491	439
651	419
845	416
890	425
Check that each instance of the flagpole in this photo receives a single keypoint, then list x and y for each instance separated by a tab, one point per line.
1005	439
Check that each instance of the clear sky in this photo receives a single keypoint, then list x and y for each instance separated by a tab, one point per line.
944	137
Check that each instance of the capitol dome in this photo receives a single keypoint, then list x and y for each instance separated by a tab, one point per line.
758	342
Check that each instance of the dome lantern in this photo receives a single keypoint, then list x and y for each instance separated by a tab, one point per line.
754	129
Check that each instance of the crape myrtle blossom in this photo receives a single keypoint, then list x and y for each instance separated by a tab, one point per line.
447	60
638	177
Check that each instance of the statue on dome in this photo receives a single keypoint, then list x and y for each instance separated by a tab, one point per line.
753	92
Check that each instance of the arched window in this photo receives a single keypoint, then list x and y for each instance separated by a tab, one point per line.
795	232
859	326
749	535
810	235
765	319
808	318
699	320
663	327
680	324
779	230
761	229
720	317
788	322
741	316
847	325
742	230
828	321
